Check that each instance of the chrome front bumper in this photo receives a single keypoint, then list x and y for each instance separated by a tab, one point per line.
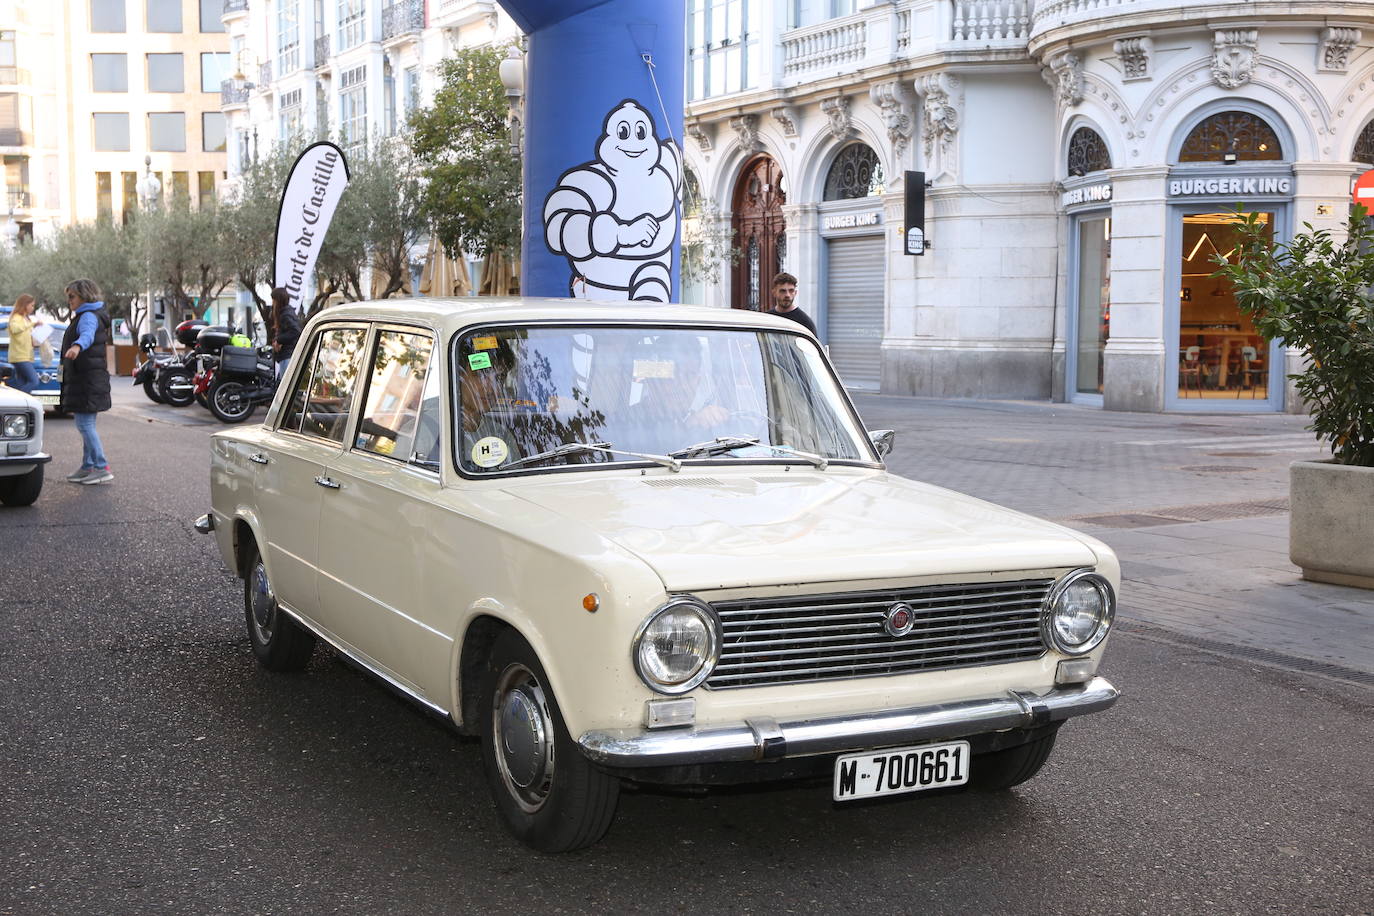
768	739
39	458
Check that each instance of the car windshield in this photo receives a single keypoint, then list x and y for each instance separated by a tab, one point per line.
536	397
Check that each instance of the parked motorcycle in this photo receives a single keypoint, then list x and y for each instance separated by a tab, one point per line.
178	384
246	378
171	380
146	373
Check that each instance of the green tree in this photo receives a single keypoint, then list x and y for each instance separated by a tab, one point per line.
248	221
183	251
1315	293
472	173
98	251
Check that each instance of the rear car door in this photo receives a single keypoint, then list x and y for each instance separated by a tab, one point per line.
376	527
292	473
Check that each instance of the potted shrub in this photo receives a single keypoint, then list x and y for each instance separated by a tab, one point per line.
1315	293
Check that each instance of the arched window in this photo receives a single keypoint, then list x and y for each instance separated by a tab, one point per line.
856	172
1088	152
691	194
1248	136
1364	146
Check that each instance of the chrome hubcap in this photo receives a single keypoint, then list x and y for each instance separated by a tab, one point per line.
524	737
264	605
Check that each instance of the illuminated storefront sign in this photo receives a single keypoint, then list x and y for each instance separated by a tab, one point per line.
1092	192
1186	187
852	220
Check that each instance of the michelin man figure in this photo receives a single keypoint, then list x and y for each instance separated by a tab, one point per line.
615	218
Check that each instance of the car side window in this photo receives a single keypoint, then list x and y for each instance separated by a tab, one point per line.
295	405
323	410
395	393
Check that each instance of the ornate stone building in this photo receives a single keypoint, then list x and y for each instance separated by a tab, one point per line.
1083	159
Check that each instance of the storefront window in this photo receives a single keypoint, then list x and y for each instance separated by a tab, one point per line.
1094	301
1231	136
1087	152
1220	355
856	173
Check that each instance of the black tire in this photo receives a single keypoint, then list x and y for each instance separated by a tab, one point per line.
176	387
22	489
278	641
203	399
228	401
1011	767
547	793
150	389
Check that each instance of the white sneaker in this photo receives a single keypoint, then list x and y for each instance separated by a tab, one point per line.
98	475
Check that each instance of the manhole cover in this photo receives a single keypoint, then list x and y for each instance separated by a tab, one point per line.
1215	468
1240	454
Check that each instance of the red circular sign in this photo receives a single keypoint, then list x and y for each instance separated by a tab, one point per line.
1363	190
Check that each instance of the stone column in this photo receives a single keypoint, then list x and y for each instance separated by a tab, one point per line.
1135	374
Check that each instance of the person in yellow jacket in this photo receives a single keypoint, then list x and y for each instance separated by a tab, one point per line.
21	343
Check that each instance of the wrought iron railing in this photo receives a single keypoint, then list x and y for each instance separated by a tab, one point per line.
233	92
403	17
19	198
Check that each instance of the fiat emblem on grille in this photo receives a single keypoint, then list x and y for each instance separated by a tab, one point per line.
899	620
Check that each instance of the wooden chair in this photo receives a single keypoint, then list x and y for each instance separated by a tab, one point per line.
1190	369
1253	372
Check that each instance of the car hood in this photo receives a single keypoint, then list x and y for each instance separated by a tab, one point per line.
770	526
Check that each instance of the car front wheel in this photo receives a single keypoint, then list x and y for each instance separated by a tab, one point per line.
550	797
1012	766
279	642
22	489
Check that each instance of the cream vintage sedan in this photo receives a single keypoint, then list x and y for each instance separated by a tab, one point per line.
651	544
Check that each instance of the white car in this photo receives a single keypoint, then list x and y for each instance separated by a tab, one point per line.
21	444
647	543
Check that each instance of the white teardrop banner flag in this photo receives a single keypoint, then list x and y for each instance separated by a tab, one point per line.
308	201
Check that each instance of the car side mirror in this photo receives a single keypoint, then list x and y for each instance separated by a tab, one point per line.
883	440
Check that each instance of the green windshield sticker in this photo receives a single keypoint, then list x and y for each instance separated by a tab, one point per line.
479	361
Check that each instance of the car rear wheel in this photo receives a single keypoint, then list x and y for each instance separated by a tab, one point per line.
175	387
1012	766
279	642
22	489
549	795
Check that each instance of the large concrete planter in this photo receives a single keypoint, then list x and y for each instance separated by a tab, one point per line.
1331	525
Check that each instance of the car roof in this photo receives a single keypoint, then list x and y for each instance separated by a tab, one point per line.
453	313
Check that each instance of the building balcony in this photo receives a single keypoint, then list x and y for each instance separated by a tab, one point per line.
234	9
19	198
13	76
322	52
233	94
402	19
15	137
1056	22
900	31
458	13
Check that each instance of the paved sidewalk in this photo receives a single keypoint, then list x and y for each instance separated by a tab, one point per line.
1195	506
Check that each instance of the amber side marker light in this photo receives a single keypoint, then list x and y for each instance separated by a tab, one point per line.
590	603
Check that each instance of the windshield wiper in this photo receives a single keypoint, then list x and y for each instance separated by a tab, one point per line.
820	461
715	446
605	448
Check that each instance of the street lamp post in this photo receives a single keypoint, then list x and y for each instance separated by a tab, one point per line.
148	189
11	233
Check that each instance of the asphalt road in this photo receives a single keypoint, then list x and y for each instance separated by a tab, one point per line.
147	765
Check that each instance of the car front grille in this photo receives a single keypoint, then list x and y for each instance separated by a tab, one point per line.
768	641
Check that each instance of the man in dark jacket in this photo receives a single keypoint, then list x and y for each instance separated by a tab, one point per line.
785	301
86	376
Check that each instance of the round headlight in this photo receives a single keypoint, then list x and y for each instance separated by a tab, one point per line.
1078	611
16	426
677	646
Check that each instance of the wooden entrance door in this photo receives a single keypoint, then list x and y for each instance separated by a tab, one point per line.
760	233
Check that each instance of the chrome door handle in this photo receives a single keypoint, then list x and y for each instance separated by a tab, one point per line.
326	482
259	458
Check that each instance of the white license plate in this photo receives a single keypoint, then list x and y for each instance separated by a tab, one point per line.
49	400
901	769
